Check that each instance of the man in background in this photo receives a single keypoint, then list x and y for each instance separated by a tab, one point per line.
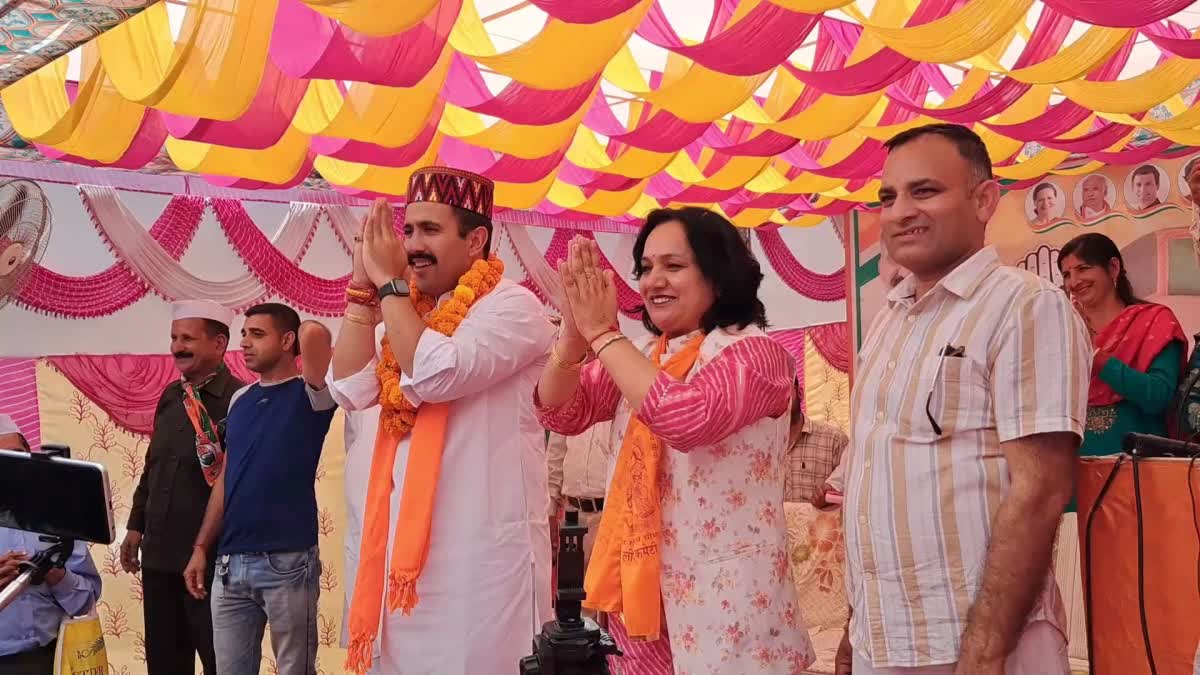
183	461
578	469
261	519
815	448
29	626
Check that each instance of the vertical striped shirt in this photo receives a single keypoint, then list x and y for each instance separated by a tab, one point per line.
989	355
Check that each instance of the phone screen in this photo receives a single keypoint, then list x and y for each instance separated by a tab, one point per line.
59	497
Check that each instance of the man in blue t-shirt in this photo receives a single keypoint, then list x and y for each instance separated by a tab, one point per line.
264	504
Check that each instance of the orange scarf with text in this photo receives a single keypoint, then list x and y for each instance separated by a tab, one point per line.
623	575
427	424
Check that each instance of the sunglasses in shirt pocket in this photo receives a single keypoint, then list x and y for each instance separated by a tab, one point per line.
957	397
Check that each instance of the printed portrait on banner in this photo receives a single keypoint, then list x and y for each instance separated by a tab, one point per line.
1095	197
1045	205
1149	219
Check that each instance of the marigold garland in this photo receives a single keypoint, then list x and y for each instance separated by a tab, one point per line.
398	415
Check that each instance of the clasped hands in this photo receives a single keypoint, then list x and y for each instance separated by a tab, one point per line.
589	299
379	253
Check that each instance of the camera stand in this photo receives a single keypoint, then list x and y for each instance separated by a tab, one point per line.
34	570
570	645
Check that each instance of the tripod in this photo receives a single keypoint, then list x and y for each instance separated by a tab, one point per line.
572	645
34	570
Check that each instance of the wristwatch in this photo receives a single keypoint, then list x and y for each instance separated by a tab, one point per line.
394	287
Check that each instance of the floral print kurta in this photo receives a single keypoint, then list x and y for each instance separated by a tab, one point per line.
730	604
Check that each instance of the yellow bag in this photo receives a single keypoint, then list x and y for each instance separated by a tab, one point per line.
80	649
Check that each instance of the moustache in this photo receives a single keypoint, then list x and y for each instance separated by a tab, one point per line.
183	355
422	256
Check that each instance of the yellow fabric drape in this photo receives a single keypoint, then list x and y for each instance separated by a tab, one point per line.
600	203
212	71
577	51
99	125
1076	59
276	165
375	17
1137	93
961	35
381	179
520	140
387	116
587	152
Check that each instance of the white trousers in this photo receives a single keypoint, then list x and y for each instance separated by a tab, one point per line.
1042	650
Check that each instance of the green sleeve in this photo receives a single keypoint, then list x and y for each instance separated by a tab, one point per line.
1152	390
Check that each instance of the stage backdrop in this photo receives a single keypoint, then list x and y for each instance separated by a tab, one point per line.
82	352
1146	209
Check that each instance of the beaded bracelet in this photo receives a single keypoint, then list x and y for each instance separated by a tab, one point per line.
361	296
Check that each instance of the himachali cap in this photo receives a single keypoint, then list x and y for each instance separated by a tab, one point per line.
454	187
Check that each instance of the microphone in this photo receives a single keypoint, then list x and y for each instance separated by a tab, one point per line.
1145	445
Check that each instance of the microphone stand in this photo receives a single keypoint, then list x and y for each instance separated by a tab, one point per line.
34	570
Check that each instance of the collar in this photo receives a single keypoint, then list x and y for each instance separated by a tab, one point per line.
961	281
215	384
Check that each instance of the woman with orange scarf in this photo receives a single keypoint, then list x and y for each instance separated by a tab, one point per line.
691	560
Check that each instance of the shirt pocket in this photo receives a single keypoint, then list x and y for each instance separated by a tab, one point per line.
954	396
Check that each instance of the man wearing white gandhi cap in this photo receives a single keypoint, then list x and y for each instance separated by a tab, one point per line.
11	437
182	462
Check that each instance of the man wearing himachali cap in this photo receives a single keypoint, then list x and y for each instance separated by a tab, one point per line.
182	462
455	550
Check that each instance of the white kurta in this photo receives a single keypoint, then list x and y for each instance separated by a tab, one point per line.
485	590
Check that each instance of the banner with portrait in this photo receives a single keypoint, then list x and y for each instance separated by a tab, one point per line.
1146	209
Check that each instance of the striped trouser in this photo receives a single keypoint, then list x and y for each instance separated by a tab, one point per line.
639	658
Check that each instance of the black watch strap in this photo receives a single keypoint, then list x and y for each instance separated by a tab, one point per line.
394	287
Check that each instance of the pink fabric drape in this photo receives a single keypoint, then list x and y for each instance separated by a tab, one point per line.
306	291
261	126
19	399
516	103
1119	13
824	287
739	49
127	386
143	147
306	44
593	11
118	286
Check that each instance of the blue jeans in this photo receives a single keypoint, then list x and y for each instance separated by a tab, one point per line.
251	590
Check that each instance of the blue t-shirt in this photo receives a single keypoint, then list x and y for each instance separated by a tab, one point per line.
273	440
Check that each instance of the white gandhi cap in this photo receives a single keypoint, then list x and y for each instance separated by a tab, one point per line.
201	309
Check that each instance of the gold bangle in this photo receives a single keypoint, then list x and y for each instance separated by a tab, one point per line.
560	363
615	338
353	318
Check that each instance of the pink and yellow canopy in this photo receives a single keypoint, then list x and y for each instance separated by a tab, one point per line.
258	93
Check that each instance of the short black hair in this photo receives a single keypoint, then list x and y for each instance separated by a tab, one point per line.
1148	170
968	143
1044	186
216	329
468	221
725	261
285	318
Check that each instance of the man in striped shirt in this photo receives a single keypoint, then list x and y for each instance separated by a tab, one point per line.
967	413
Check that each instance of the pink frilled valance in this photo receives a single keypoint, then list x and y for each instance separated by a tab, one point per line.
127	386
